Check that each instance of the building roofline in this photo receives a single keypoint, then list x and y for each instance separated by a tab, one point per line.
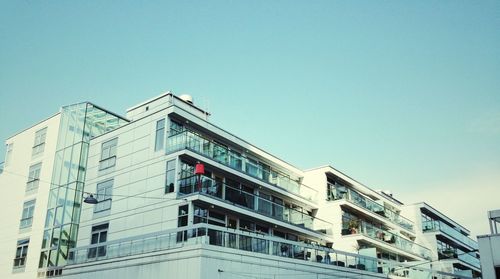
164	95
33	125
442	215
59	112
330	167
99	107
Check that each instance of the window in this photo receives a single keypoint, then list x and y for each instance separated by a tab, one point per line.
33	177
108	154
170	177
39	144
182	220
104	192
175	127
160	134
8	153
99	235
27	216
21	252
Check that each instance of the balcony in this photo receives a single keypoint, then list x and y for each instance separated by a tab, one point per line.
228	238
228	194
359	200
1	167
222	154
353	227
438	226
203	234
451	253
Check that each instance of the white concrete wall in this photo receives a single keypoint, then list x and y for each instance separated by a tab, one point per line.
13	184
204	262
489	247
139	204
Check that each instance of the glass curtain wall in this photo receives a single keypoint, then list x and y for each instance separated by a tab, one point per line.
79	123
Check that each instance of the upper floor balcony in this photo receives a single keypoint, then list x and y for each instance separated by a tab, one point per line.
439	226
243	198
450	253
356	226
224	155
338	193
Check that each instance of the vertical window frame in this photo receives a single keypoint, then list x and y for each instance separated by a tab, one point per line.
27	214
21	253
97	234
170	176
39	143
108	154
160	134
33	177
104	192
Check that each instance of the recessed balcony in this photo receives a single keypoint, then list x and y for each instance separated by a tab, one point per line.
359	200
438	226
453	253
230	158
239	197
355	226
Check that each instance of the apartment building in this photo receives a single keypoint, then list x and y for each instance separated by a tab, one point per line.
452	249
42	179
165	191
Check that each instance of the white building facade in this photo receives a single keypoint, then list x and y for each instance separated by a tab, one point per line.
174	194
489	247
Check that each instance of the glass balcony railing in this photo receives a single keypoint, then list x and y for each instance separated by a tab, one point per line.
240	197
222	154
372	206
351	226
434	225
452	253
204	234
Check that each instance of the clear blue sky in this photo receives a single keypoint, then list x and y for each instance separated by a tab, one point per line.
400	95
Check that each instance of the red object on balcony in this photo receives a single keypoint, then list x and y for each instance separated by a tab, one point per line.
199	169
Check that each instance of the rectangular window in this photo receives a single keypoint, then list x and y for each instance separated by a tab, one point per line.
39	144
104	192
170	177
8	153
175	127
160	134
33	177
99	235
27	216
108	154
21	252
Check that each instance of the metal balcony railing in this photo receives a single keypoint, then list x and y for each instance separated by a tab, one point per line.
358	199
222	154
228	194
352	226
434	225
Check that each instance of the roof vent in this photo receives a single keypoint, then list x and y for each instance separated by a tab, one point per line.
186	98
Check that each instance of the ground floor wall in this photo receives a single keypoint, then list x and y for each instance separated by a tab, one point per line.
208	262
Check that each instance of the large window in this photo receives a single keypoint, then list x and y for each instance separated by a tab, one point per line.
170	177
33	177
27	216
99	235
21	252
39	144
160	134
104	193
108	154
175	127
